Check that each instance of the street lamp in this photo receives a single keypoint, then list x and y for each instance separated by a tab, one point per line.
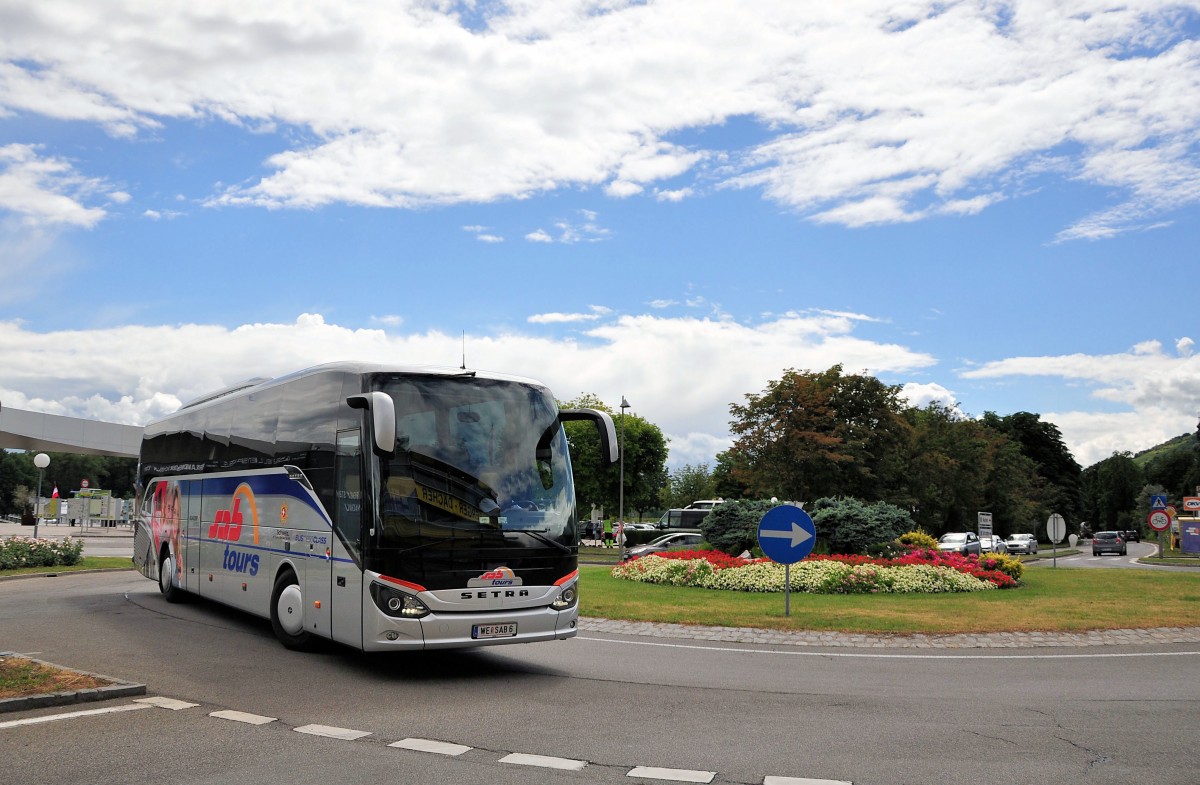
621	503
41	461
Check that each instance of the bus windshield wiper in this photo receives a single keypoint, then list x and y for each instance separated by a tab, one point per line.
540	535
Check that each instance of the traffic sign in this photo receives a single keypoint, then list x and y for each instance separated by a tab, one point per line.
1158	502
1056	528
786	534
1159	520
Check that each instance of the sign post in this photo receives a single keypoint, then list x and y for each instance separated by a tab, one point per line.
1159	520
786	535
1056	529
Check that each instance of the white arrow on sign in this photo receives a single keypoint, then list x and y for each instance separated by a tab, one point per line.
797	535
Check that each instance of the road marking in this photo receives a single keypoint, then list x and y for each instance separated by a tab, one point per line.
331	732
802	781
429	745
241	716
546	762
72	715
675	775
851	656
166	703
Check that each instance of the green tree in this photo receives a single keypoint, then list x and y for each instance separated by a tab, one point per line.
1110	491
726	484
16	470
597	483
686	485
1058	481
813	434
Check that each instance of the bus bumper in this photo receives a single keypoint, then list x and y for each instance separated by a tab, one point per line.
467	630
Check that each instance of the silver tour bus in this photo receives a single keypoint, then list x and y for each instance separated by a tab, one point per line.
381	507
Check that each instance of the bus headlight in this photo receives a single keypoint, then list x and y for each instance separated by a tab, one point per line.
397	603
566	598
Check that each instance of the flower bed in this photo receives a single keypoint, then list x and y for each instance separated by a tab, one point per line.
919	571
27	552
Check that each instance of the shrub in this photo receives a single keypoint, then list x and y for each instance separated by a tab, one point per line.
918	538
732	527
849	525
19	552
1002	562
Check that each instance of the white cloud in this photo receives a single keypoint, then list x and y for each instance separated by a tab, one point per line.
539	236
1156	392
489	238
123	374
873	112
45	191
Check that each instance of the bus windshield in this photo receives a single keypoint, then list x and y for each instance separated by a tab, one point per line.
477	461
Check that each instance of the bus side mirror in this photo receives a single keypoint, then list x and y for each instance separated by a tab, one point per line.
604	424
383	418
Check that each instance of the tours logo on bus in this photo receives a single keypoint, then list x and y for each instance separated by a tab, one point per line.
227	527
501	576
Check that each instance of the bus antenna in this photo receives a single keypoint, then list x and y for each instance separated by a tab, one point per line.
464	362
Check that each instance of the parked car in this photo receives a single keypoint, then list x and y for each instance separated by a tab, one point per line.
993	544
1131	536
640	527
966	543
666	543
1108	542
1021	543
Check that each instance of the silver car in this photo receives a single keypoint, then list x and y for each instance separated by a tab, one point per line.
992	544
665	543
966	543
1021	543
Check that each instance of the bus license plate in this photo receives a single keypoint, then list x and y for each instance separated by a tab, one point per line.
494	630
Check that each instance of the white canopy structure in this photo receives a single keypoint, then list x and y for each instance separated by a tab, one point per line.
25	430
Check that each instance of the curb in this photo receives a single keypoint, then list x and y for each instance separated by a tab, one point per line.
118	689
59	574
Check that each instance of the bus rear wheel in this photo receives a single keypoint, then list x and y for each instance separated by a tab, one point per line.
287	614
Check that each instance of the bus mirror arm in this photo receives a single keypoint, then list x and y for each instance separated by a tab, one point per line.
383	418
604	424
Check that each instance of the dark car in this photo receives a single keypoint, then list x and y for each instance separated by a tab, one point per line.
1131	536
1108	542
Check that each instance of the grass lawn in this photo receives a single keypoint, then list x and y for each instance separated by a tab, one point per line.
1050	599
20	677
86	563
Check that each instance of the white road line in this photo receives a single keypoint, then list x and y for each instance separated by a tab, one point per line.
72	715
802	781
853	655
332	732
429	745
166	703
521	759
241	716
675	775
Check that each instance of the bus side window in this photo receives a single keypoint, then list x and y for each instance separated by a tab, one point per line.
348	510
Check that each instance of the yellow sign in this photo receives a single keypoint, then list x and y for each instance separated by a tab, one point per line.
451	504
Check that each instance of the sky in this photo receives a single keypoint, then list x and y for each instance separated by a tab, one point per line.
993	204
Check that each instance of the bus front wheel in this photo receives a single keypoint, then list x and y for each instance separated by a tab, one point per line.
166	574
287	613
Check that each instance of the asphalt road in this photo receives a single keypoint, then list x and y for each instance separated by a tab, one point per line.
735	713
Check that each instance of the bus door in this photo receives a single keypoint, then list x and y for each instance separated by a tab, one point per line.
191	497
347	596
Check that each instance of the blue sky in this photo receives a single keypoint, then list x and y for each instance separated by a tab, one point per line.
994	204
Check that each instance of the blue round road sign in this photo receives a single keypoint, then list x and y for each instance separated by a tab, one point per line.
786	534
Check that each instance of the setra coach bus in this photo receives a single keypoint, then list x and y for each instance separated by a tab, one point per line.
380	507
